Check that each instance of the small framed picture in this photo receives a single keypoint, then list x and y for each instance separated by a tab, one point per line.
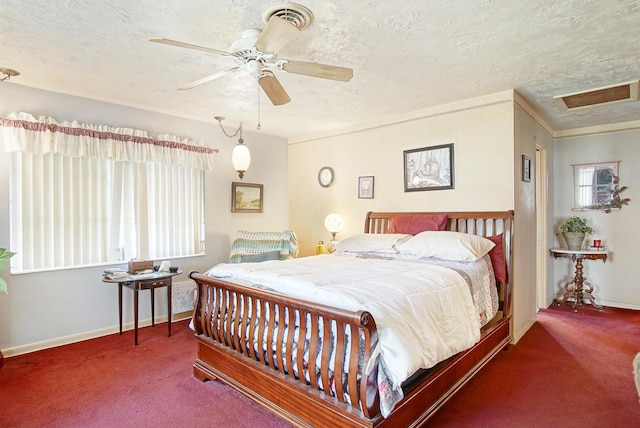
365	187
428	168
246	198
526	168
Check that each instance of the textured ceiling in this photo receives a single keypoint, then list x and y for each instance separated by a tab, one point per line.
406	56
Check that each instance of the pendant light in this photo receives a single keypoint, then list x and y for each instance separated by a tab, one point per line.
240	157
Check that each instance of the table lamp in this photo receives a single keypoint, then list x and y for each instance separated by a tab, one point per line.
334	224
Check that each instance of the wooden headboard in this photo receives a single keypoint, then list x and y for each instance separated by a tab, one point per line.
483	223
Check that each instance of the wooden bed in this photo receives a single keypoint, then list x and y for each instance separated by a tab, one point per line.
222	355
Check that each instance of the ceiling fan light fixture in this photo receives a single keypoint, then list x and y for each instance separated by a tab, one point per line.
257	52
254	67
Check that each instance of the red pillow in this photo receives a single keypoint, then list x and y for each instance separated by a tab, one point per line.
414	224
497	259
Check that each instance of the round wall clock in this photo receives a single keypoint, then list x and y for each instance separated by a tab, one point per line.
325	176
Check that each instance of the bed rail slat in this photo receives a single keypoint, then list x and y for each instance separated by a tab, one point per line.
242	326
291	317
340	345
353	373
253	322
261	322
280	339
214	314
313	351
326	348
270	325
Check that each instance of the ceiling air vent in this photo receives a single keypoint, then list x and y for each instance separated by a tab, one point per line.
297	14
622	92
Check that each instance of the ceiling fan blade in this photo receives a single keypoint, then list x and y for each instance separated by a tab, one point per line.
274	90
313	69
276	35
188	46
207	79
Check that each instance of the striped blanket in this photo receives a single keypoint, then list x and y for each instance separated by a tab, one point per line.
248	244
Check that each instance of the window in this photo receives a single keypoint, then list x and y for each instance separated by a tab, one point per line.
594	184
70	211
84	194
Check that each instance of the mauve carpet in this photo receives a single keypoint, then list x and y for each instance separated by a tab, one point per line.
569	370
109	382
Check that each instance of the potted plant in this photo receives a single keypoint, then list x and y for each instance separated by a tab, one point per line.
4	256
574	229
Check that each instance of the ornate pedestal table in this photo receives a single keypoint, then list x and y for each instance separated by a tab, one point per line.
579	289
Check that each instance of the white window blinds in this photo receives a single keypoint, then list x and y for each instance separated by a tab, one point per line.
82	197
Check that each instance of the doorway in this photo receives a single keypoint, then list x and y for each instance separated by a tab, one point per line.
542	258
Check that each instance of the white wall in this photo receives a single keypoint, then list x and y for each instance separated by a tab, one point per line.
529	134
482	135
482	131
614	281
45	309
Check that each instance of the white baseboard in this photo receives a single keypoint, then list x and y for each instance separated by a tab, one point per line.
517	335
79	337
607	303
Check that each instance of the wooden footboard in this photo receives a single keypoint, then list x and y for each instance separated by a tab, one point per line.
242	340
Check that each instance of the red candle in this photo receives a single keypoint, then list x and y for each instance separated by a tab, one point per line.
597	243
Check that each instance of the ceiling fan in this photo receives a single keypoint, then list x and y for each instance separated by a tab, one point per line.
256	51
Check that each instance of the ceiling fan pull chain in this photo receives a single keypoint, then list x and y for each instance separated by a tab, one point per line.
259	127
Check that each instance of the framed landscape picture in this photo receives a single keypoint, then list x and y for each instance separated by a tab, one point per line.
428	168
246	198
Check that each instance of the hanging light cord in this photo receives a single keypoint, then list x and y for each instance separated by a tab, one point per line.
8	73
239	130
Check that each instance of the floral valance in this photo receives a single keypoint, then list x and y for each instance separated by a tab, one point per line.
23	132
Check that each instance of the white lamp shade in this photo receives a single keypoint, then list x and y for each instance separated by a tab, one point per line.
333	223
241	158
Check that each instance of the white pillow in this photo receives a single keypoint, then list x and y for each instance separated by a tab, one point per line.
446	245
371	242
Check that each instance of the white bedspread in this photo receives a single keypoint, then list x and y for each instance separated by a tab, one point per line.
424	313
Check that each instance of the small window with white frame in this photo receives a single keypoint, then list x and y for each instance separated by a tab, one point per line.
594	184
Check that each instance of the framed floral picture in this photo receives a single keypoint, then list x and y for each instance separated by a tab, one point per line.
246	198
365	187
428	168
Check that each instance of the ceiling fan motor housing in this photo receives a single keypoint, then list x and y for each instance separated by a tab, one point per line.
246	42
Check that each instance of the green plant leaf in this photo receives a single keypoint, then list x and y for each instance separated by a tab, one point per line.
3	286
576	224
4	254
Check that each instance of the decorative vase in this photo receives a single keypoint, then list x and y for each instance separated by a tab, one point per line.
574	240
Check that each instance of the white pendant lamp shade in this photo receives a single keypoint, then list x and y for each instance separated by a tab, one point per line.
241	158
